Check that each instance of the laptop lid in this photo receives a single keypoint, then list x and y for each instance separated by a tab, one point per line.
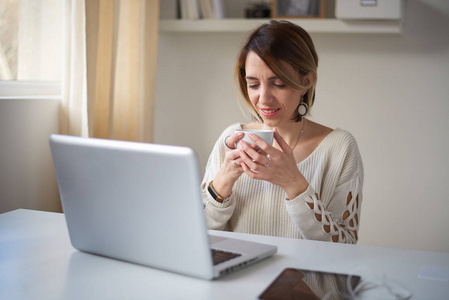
133	201
141	203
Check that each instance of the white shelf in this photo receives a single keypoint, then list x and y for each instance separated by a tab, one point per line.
311	25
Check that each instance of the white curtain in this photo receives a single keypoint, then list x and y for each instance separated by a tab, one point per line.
110	68
73	117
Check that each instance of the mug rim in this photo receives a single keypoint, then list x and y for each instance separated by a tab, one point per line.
254	130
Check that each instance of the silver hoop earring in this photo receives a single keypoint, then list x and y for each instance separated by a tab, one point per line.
302	109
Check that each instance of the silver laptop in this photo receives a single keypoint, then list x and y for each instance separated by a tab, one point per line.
142	203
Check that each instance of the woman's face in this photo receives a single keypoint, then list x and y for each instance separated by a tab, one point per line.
274	101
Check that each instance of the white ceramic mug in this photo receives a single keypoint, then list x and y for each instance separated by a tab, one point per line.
264	134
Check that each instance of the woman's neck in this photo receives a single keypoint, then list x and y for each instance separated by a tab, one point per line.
291	132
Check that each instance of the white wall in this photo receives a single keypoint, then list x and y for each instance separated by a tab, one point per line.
391	92
27	178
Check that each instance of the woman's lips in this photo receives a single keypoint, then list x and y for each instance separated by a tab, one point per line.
268	112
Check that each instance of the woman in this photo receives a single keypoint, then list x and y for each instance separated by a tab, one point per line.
308	184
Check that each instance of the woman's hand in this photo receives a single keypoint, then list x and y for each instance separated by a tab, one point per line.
278	166
231	169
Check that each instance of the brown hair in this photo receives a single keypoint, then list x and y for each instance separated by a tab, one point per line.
274	43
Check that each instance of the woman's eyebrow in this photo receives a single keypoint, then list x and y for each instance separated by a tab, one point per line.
254	78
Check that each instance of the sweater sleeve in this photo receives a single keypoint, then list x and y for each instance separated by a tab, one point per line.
315	221
217	214
336	219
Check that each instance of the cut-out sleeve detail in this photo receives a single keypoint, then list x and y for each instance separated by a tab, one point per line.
338	221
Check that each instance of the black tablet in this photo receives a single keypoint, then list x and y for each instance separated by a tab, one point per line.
306	284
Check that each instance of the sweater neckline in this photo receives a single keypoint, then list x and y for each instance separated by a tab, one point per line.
320	145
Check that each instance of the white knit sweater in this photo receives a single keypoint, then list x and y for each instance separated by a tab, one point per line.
329	210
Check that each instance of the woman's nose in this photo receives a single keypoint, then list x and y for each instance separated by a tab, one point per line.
265	95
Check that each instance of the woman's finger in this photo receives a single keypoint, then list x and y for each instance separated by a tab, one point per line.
237	162
231	140
249	167
282	143
264	146
253	154
249	161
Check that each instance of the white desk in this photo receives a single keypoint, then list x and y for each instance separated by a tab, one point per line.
38	262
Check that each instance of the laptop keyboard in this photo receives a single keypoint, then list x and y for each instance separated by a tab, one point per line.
219	256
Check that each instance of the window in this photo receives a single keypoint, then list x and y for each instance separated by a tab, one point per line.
30	43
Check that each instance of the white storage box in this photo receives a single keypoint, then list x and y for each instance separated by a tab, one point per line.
368	9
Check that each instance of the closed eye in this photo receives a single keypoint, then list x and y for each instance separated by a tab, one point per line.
253	86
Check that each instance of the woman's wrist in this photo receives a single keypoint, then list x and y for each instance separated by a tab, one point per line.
222	187
217	197
296	188
292	194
